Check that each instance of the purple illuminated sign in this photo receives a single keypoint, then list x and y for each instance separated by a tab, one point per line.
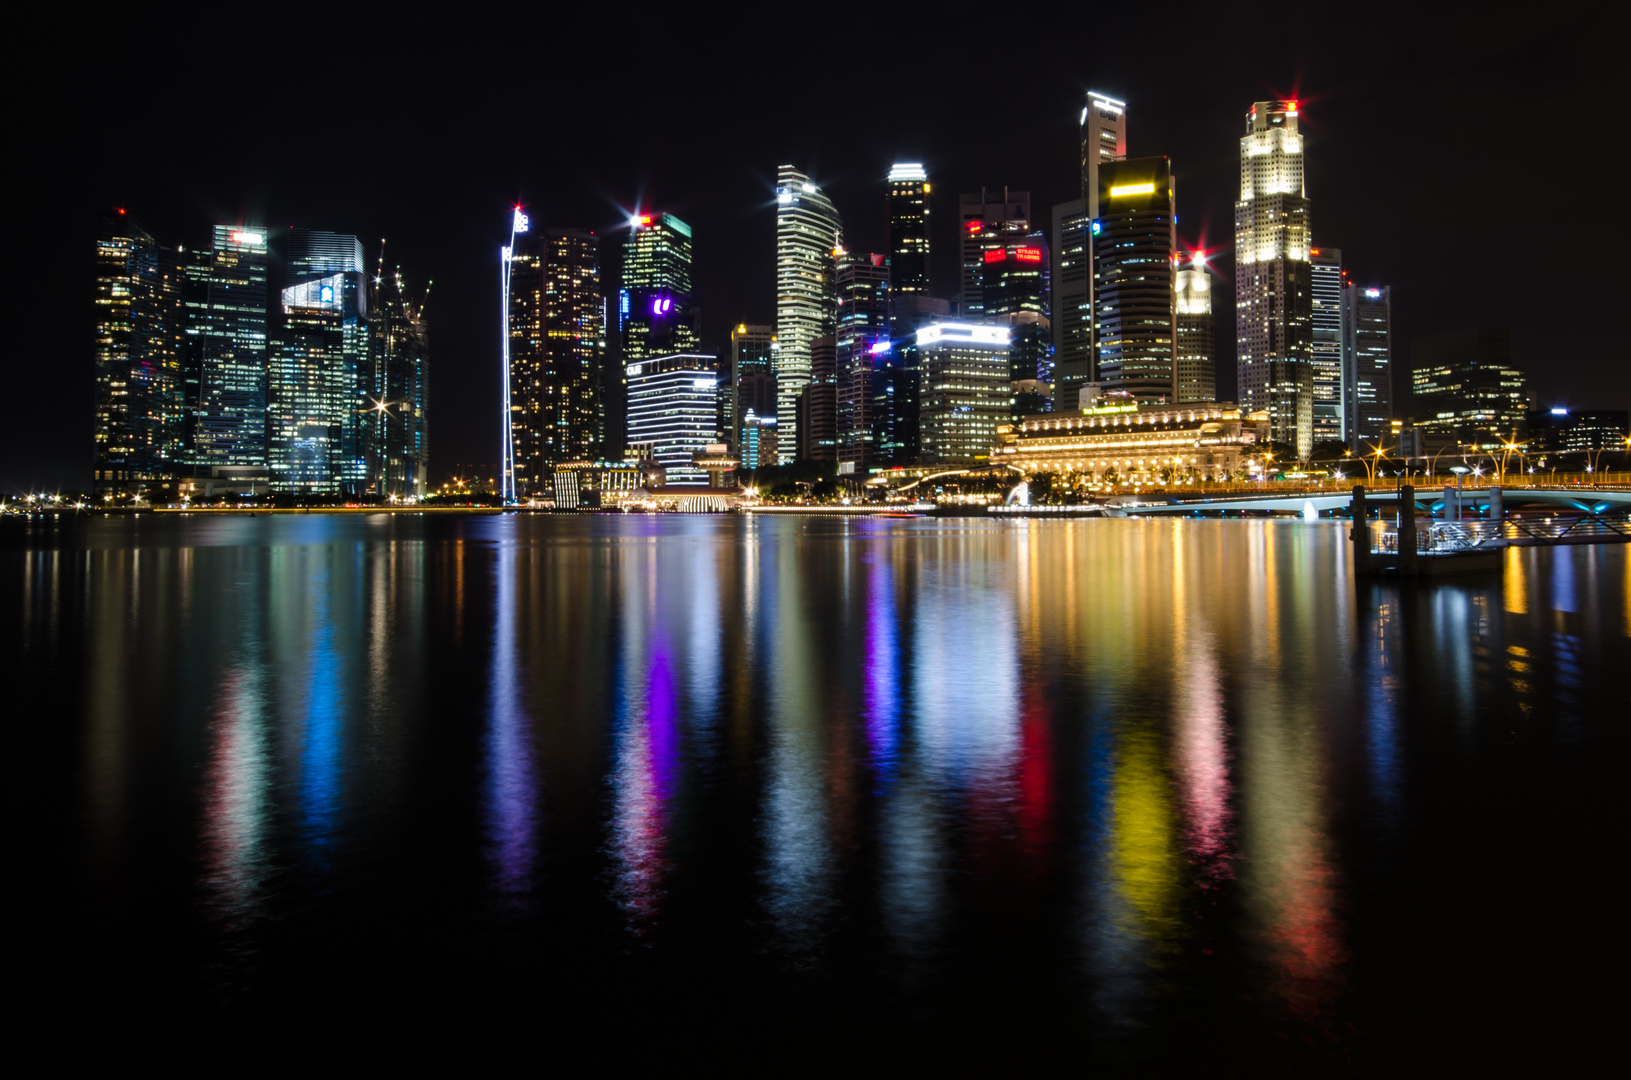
660	305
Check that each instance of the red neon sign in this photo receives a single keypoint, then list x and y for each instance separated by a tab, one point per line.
975	226
1028	254
996	256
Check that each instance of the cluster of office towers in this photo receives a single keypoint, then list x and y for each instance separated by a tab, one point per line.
875	360
267	361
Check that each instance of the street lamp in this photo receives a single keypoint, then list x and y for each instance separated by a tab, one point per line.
1460	471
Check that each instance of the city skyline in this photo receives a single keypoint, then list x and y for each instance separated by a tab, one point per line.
450	236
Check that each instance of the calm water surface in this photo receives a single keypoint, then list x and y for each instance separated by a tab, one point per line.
1147	791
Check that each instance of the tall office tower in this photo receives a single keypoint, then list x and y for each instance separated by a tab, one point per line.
983	222
906	235
1273	287
399	432
809	232
1196	337
317	367
1014	292
1466	388
818	422
1072	307
965	390
1104	139
656	315
196	265
556	352
673	406
138	358
1330	386
1133	243
751	373
1367	360
907	316
868	381
230	418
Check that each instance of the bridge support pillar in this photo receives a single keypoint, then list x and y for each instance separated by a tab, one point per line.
1452	507
1359	533
1497	514
1407	529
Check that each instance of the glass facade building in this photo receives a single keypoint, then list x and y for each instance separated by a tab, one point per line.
965	394
1331	388
907	224
1273	282
673	407
230	417
985	222
139	337
809	233
1133	246
399	434
1367	360
867	377
1072	307
1467	390
655	314
750	377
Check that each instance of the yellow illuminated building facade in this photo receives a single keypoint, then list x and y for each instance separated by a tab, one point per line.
1201	442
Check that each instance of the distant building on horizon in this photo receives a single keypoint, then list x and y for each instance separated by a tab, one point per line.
1466	389
809	233
1273	283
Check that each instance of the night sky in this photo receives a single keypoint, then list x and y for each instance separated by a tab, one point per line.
1464	160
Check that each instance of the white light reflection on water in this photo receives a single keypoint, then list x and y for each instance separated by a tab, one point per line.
797	828
512	782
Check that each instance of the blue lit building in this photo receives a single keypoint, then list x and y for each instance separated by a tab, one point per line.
673	408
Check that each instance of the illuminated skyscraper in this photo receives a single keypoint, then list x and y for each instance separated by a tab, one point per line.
1196	342
907	235
1133	243
1330	388
556	351
1014	292
317	366
867	376
230	418
655	313
673	407
965	390
138	358
1367	359
809	233
751	371
984	222
818	428
1273	283
399	428
1103	140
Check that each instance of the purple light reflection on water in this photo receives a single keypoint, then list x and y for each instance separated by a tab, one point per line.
512	779
881	706
647	768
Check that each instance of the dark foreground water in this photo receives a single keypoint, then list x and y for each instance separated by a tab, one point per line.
1163	792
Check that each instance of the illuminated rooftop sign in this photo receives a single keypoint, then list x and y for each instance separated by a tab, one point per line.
907	171
1107	410
996	256
1028	254
1131	189
519	223
253	239
962	333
